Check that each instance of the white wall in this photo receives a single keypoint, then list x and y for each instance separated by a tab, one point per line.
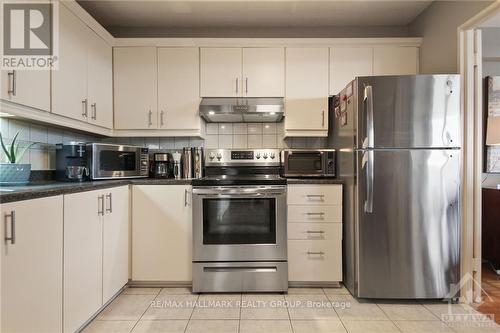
438	26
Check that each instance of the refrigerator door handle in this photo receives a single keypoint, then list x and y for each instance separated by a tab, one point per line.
368	99
369	182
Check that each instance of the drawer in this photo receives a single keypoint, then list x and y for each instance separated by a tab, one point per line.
314	231
315	260
314	194
307	213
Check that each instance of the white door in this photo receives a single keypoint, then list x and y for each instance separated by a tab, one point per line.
306	101
178	88
348	62
220	72
263	72
115	242
161	233
28	87
100	81
135	73
69	81
32	266
395	60
82	257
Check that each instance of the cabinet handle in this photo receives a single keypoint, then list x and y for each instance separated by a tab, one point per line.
161	117
110	197
321	213
246	85
150	119
100	205
315	232
12	217
236	85
12	76
323	118
320	196
85	108
186	196
93	107
320	253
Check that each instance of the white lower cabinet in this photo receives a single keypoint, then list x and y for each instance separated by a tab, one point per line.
95	251
31	265
115	257
314	233
161	233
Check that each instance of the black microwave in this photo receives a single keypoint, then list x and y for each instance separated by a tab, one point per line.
308	163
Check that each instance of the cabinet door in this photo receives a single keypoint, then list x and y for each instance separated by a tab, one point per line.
395	60
348	62
306	99
220	72
100	81
178	88
82	257
69	81
32	266
161	233
263	72
115	242
135	85
27	87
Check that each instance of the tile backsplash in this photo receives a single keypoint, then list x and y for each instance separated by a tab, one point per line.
218	135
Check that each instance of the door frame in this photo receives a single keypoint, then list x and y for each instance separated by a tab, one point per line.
469	53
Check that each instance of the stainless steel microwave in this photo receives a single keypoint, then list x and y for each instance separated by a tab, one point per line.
308	162
108	161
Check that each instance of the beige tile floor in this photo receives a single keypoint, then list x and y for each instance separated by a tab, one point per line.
302	310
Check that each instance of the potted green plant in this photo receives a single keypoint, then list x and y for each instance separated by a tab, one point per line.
13	173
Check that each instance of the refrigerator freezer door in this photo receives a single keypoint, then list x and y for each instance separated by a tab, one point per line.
408	222
421	111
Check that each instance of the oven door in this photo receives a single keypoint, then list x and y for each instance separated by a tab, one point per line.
234	223
308	163
114	161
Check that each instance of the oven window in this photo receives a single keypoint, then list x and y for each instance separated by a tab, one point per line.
305	162
112	160
239	221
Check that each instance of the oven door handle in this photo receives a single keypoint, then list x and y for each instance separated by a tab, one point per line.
239	195
240	192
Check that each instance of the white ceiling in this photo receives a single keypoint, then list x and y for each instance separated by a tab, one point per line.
161	14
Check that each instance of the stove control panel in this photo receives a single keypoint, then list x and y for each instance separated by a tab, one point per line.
250	157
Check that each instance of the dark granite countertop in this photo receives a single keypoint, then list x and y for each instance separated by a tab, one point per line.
40	189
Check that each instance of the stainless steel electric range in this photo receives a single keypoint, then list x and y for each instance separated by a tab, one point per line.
239	223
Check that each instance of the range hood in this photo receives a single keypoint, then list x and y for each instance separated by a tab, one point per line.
241	110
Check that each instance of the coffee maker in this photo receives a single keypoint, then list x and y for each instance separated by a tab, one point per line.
162	165
71	162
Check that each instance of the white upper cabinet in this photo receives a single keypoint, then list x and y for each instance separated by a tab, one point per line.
100	81
32	266
220	72
395	60
69	81
135	84
306	101
348	62
82	85
27	87
178	88
263	72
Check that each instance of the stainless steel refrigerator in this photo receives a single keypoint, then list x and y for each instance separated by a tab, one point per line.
398	141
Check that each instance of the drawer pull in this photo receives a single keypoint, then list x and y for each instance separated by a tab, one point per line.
315	232
320	214
315	253
313	196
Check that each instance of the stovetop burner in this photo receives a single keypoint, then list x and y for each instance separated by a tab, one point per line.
225	180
